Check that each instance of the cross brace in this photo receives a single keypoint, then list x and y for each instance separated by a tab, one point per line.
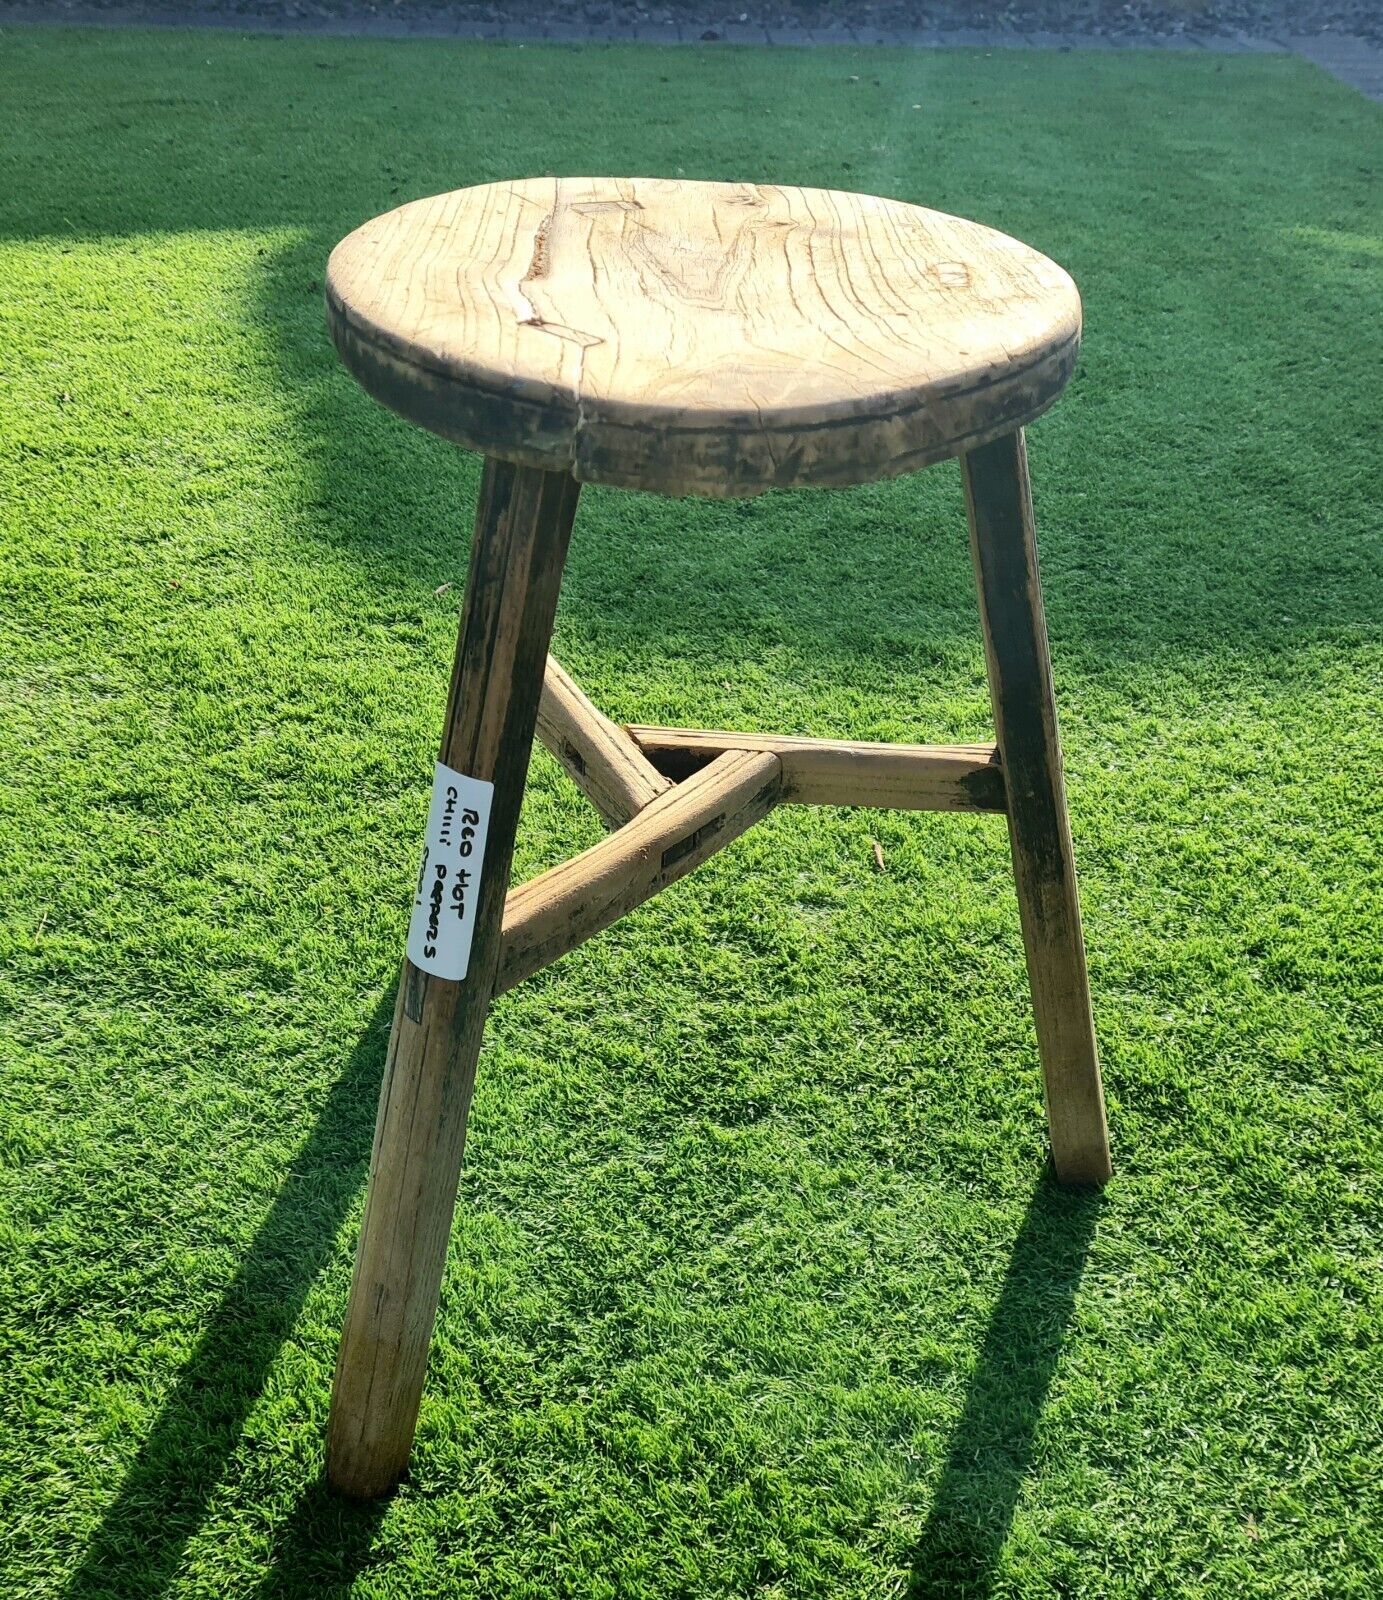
674	796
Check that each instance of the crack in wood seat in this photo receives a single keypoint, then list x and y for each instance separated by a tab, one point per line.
701	338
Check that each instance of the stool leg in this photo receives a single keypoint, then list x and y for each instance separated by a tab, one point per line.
523	521
998	500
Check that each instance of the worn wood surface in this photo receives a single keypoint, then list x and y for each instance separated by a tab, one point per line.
554	913
598	755
1003	542
523	522
700	338
843	772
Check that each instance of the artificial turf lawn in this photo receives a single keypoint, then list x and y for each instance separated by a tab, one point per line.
756	1287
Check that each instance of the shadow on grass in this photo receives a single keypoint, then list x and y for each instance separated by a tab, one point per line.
991	1448
164	1496
322	1547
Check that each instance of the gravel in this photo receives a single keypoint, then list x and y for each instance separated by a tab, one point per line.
1094	19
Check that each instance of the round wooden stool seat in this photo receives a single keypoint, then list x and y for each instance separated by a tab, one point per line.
701	338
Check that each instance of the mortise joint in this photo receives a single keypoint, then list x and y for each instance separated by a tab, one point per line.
414	992
685	846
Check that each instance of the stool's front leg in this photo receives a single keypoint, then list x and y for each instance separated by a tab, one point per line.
523	522
998	500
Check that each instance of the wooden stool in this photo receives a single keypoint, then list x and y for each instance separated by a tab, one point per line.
686	339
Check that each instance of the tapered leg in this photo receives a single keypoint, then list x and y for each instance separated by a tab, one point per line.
523	521
998	500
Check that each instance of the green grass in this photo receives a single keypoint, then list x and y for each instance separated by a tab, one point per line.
757	1287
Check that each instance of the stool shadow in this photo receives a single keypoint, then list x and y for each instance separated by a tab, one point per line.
991	1446
323	1547
164	1496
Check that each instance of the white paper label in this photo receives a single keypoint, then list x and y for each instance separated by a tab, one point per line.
448	892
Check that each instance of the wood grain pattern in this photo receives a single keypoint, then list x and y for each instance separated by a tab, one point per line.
1003	542
843	772
679	830
523	522
597	754
700	338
